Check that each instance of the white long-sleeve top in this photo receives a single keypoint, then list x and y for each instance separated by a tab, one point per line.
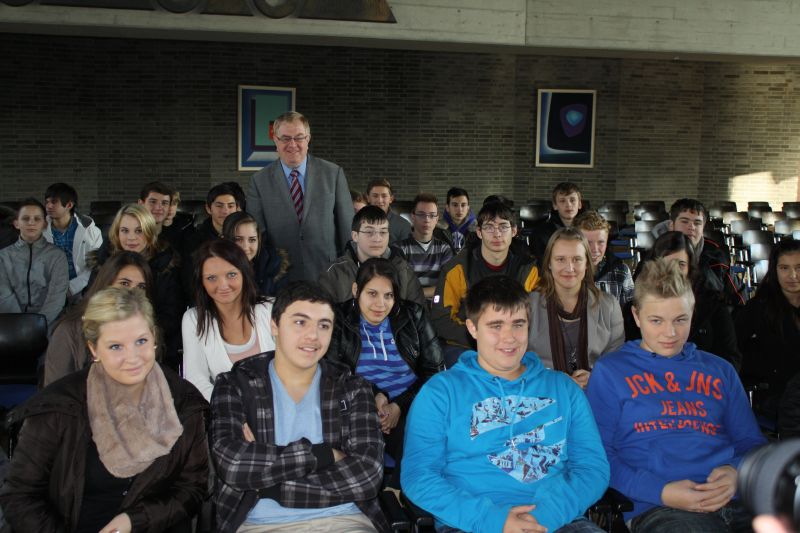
204	358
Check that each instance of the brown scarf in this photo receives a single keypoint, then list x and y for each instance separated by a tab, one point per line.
129	437
556	330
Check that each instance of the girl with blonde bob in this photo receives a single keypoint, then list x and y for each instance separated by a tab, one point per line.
675	420
117	447
134	230
572	322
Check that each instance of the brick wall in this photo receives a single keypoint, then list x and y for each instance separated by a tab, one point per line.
751	133
109	114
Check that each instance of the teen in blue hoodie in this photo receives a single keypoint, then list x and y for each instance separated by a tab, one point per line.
499	441
675	420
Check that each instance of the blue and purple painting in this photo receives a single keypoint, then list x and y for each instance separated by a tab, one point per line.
565	128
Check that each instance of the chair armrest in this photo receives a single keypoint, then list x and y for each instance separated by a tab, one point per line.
612	501
419	517
398	519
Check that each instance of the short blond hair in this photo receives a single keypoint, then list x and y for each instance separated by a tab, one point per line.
591	221
146	221
112	305
662	278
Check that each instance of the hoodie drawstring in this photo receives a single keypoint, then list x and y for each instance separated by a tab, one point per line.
513	415
374	351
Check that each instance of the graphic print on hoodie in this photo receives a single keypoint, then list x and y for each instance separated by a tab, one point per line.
533	461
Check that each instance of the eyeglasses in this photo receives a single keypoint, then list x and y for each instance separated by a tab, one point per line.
370	233
430	216
285	139
491	229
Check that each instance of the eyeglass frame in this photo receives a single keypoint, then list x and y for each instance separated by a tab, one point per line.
299	139
371	233
491	229
429	216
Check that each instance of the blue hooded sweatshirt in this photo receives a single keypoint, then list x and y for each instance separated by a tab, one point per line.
477	445
666	419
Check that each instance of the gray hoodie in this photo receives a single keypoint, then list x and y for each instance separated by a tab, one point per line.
33	279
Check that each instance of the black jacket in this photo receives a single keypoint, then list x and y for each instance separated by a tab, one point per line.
771	354
714	266
44	487
789	409
168	303
270	267
179	232
194	239
413	335
541	233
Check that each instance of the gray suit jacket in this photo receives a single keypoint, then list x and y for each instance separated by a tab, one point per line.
327	215
605	328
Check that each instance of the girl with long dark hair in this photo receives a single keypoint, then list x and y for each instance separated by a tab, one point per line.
229	321
388	341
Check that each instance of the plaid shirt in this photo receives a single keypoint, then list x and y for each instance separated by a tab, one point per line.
299	474
64	241
614	277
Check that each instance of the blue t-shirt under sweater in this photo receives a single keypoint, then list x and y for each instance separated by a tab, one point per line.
380	363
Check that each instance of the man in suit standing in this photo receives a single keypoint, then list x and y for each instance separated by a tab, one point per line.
301	201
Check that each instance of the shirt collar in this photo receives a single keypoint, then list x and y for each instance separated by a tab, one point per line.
301	168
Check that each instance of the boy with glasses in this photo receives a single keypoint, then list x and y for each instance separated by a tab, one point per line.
370	238
425	253
380	194
496	230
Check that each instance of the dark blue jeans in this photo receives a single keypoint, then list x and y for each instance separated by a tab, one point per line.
579	525
731	518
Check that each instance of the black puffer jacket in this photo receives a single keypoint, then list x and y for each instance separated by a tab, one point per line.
413	335
44	487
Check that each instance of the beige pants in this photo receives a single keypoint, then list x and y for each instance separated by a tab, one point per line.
350	523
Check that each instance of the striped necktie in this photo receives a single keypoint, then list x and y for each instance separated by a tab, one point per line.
296	194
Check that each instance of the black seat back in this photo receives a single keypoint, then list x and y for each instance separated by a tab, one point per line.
23	338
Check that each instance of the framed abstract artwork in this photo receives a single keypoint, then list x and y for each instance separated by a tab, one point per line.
565	121
258	109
